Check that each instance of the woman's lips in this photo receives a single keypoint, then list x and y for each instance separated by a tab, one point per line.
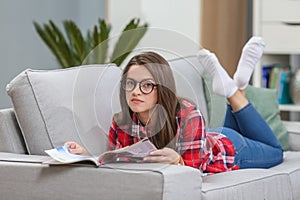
134	100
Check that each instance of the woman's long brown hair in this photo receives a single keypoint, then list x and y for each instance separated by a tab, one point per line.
168	104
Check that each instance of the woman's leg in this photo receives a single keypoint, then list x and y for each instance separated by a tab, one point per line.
230	121
245	119
251	153
253	126
255	143
248	120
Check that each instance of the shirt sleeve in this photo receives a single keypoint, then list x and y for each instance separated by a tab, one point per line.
119	136
192	138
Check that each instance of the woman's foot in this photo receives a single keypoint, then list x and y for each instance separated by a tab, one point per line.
221	82
251	54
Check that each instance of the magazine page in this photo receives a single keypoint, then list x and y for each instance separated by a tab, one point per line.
63	156
132	153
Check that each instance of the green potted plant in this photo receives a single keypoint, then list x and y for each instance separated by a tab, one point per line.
76	49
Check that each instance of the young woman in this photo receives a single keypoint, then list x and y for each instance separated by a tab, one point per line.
150	108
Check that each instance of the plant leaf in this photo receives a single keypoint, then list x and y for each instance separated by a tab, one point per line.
103	41
76	40
99	43
61	45
130	37
93	48
48	41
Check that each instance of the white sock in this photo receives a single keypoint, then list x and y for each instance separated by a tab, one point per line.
251	54
221	82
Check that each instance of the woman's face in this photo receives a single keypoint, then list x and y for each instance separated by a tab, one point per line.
138	101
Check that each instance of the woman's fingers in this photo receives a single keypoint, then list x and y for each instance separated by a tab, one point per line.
74	147
165	155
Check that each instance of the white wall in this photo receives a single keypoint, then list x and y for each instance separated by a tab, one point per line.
177	15
174	24
20	45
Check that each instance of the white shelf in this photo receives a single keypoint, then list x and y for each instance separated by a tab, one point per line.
289	107
277	22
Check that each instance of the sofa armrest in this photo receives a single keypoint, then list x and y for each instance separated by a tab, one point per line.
10	133
293	129
30	179
22	158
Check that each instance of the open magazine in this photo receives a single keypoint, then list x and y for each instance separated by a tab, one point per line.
133	153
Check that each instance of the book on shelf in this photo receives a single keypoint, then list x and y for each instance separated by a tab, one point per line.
266	72
134	153
278	77
275	73
284	96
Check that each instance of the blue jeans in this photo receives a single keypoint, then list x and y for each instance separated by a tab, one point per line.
255	144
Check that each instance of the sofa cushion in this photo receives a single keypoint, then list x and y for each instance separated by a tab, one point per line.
216	105
11	139
291	167
247	184
56	106
25	180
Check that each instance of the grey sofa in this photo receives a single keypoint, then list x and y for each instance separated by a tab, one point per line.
51	107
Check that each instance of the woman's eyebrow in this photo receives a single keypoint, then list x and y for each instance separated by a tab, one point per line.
148	79
145	79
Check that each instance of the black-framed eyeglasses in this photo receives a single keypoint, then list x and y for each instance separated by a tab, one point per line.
146	86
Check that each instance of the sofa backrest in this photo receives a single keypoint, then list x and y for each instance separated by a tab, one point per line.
189	82
74	104
77	104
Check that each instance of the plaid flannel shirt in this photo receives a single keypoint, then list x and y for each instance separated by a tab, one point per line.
209	152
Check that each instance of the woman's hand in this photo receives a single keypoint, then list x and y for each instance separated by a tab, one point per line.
76	148
165	155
